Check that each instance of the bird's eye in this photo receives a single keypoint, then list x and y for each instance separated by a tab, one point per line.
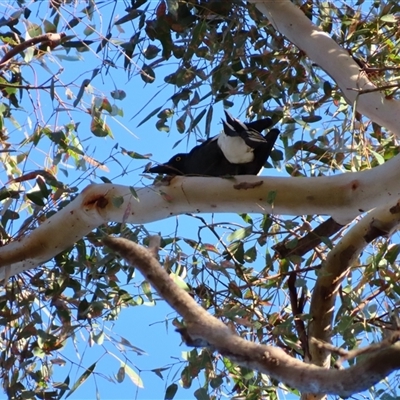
178	158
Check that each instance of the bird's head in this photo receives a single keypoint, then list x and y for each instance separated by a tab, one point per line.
175	166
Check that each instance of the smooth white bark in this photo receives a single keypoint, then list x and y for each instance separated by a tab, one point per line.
343	196
291	22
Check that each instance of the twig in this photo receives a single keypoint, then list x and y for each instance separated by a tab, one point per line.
53	39
378	89
297	311
309	241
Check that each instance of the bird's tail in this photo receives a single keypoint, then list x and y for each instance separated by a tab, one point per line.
258	125
271	137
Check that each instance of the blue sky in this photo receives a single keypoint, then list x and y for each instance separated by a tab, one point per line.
146	327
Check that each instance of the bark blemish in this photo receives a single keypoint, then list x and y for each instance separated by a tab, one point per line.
96	201
355	185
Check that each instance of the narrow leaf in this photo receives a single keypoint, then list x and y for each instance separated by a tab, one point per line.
135	378
82	379
154	112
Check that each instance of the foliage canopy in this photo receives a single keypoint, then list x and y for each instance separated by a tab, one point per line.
255	272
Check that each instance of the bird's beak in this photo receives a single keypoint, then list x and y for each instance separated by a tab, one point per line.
161	169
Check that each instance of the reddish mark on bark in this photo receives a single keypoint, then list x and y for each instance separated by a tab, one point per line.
97	201
355	185
247	185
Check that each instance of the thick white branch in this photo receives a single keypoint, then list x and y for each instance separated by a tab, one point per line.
342	196
291	22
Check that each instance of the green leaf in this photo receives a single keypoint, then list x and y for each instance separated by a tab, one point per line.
392	253
166	113
36	197
89	30
34	30
120	374
135	378
99	128
117	201
118	94
271	197
173	6
185	76
74	22
235	290
147	74
171	391
84	85
327	89
135	155
180	124
201	394
196	120
151	52
99	338
49	27
216	382
389	18
240	234
197	37
251	254
154	112
179	281
5	194
161	126
82	379
378	157
133	14
184	94
208	121
147	290
77	44
38	352
311	118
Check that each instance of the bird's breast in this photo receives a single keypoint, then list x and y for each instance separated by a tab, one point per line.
235	149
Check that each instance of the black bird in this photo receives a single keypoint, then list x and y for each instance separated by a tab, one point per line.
239	149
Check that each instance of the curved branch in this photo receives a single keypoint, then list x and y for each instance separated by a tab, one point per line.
291	22
380	222
205	329
309	241
52	39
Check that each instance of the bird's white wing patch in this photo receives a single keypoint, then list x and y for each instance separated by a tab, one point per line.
235	149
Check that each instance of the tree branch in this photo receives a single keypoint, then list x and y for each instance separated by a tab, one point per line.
204	328
52	39
309	241
343	196
379	222
291	22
